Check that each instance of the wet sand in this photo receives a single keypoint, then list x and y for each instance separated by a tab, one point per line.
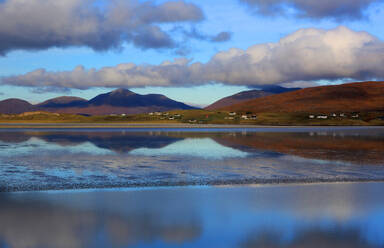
285	214
156	125
316	215
49	159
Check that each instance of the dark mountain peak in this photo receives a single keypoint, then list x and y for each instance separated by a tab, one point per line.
122	91
120	97
276	89
127	98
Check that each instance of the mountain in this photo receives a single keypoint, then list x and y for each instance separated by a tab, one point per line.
248	95
121	101
127	98
276	89
15	106
351	97
63	102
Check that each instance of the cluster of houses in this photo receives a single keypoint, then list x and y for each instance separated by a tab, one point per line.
232	116
165	116
334	115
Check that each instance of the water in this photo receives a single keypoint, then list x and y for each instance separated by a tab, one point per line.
329	214
317	215
38	159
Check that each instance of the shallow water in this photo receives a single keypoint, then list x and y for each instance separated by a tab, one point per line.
35	159
317	215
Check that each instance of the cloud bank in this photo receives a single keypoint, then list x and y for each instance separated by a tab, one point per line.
305	55
313	9
98	24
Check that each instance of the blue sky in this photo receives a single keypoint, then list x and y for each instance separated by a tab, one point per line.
246	26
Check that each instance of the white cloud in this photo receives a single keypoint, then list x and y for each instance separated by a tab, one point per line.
306	55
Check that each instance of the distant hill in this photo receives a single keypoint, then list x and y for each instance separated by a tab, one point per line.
351	97
15	106
63	102
121	101
248	95
276	89
127	98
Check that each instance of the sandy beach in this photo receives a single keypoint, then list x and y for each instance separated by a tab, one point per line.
157	125
341	215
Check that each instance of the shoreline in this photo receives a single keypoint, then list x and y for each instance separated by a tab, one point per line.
161	125
238	183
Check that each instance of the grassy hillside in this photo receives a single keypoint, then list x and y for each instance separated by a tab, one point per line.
345	98
200	117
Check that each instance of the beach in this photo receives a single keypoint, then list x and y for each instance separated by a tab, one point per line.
297	215
162	186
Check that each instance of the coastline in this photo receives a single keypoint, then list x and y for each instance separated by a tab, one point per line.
196	216
71	158
165	125
218	183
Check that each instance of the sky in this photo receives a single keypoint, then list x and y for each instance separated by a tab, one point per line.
195	51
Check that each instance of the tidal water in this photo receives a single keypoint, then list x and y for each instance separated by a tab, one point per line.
314	215
244	187
39	159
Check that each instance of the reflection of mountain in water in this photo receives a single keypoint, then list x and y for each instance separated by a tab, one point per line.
356	146
198	147
359	149
115	141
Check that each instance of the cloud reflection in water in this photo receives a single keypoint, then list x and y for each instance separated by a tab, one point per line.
205	148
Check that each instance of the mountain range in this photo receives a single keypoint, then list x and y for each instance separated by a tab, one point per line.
120	101
350	97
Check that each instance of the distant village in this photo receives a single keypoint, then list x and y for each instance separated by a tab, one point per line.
333	115
230	116
165	116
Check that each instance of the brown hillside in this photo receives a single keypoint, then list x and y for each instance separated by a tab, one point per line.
237	98
351	97
15	106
